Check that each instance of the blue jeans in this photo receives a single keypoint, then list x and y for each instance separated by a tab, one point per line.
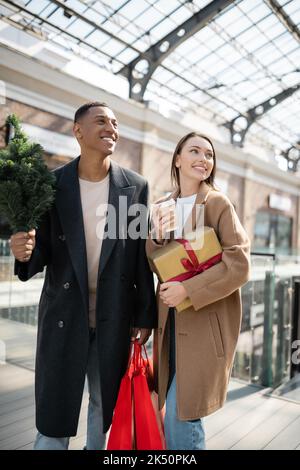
95	437
180	435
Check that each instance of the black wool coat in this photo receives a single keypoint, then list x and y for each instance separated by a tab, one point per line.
125	298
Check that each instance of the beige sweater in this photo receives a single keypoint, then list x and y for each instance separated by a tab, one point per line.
94	198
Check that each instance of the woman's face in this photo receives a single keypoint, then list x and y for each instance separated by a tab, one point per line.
195	160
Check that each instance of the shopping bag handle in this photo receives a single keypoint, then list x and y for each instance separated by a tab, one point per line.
135	356
138	360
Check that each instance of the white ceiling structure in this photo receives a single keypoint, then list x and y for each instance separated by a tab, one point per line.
235	63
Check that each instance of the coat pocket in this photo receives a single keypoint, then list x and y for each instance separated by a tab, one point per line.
216	331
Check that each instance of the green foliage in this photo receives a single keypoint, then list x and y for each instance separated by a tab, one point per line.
27	188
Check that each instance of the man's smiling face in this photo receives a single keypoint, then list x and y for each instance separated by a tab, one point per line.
97	130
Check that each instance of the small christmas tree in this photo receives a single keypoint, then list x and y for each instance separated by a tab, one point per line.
26	185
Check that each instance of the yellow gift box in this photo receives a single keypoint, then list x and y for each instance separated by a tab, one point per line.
187	258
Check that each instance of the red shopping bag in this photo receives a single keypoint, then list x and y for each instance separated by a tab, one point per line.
134	424
151	382
121	432
147	432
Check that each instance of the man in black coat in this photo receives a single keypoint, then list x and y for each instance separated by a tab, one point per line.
98	293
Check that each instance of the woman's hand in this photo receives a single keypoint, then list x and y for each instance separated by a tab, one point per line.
172	293
163	221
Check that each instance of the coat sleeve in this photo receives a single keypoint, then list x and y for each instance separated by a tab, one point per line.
152	245
41	254
146	309
234	269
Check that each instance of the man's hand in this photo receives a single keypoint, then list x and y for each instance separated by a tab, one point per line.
22	245
145	333
172	293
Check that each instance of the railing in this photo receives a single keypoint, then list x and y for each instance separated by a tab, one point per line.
263	353
18	300
264	349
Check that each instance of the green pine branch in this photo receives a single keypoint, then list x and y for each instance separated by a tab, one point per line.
27	188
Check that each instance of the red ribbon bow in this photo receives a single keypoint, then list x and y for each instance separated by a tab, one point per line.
192	265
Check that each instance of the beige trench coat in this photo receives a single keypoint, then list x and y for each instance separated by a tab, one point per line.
206	334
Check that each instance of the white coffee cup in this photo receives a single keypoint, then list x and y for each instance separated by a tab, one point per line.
167	208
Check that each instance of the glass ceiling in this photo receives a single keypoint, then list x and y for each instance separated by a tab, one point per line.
246	54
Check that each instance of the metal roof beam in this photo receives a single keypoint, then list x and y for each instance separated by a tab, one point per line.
284	18
240	125
150	59
18	8
292	155
81	17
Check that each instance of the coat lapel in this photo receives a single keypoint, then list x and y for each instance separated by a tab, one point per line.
68	203
69	209
118	186
200	199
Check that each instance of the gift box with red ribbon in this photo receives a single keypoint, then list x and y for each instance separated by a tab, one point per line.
182	259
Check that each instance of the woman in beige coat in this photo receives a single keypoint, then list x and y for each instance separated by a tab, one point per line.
195	347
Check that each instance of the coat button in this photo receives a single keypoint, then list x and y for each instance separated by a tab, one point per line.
60	324
66	285
62	237
123	277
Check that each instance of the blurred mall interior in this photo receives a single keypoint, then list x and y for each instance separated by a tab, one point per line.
228	69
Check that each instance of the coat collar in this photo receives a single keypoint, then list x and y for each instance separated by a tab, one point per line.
118	187
202	194
201	198
68	203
